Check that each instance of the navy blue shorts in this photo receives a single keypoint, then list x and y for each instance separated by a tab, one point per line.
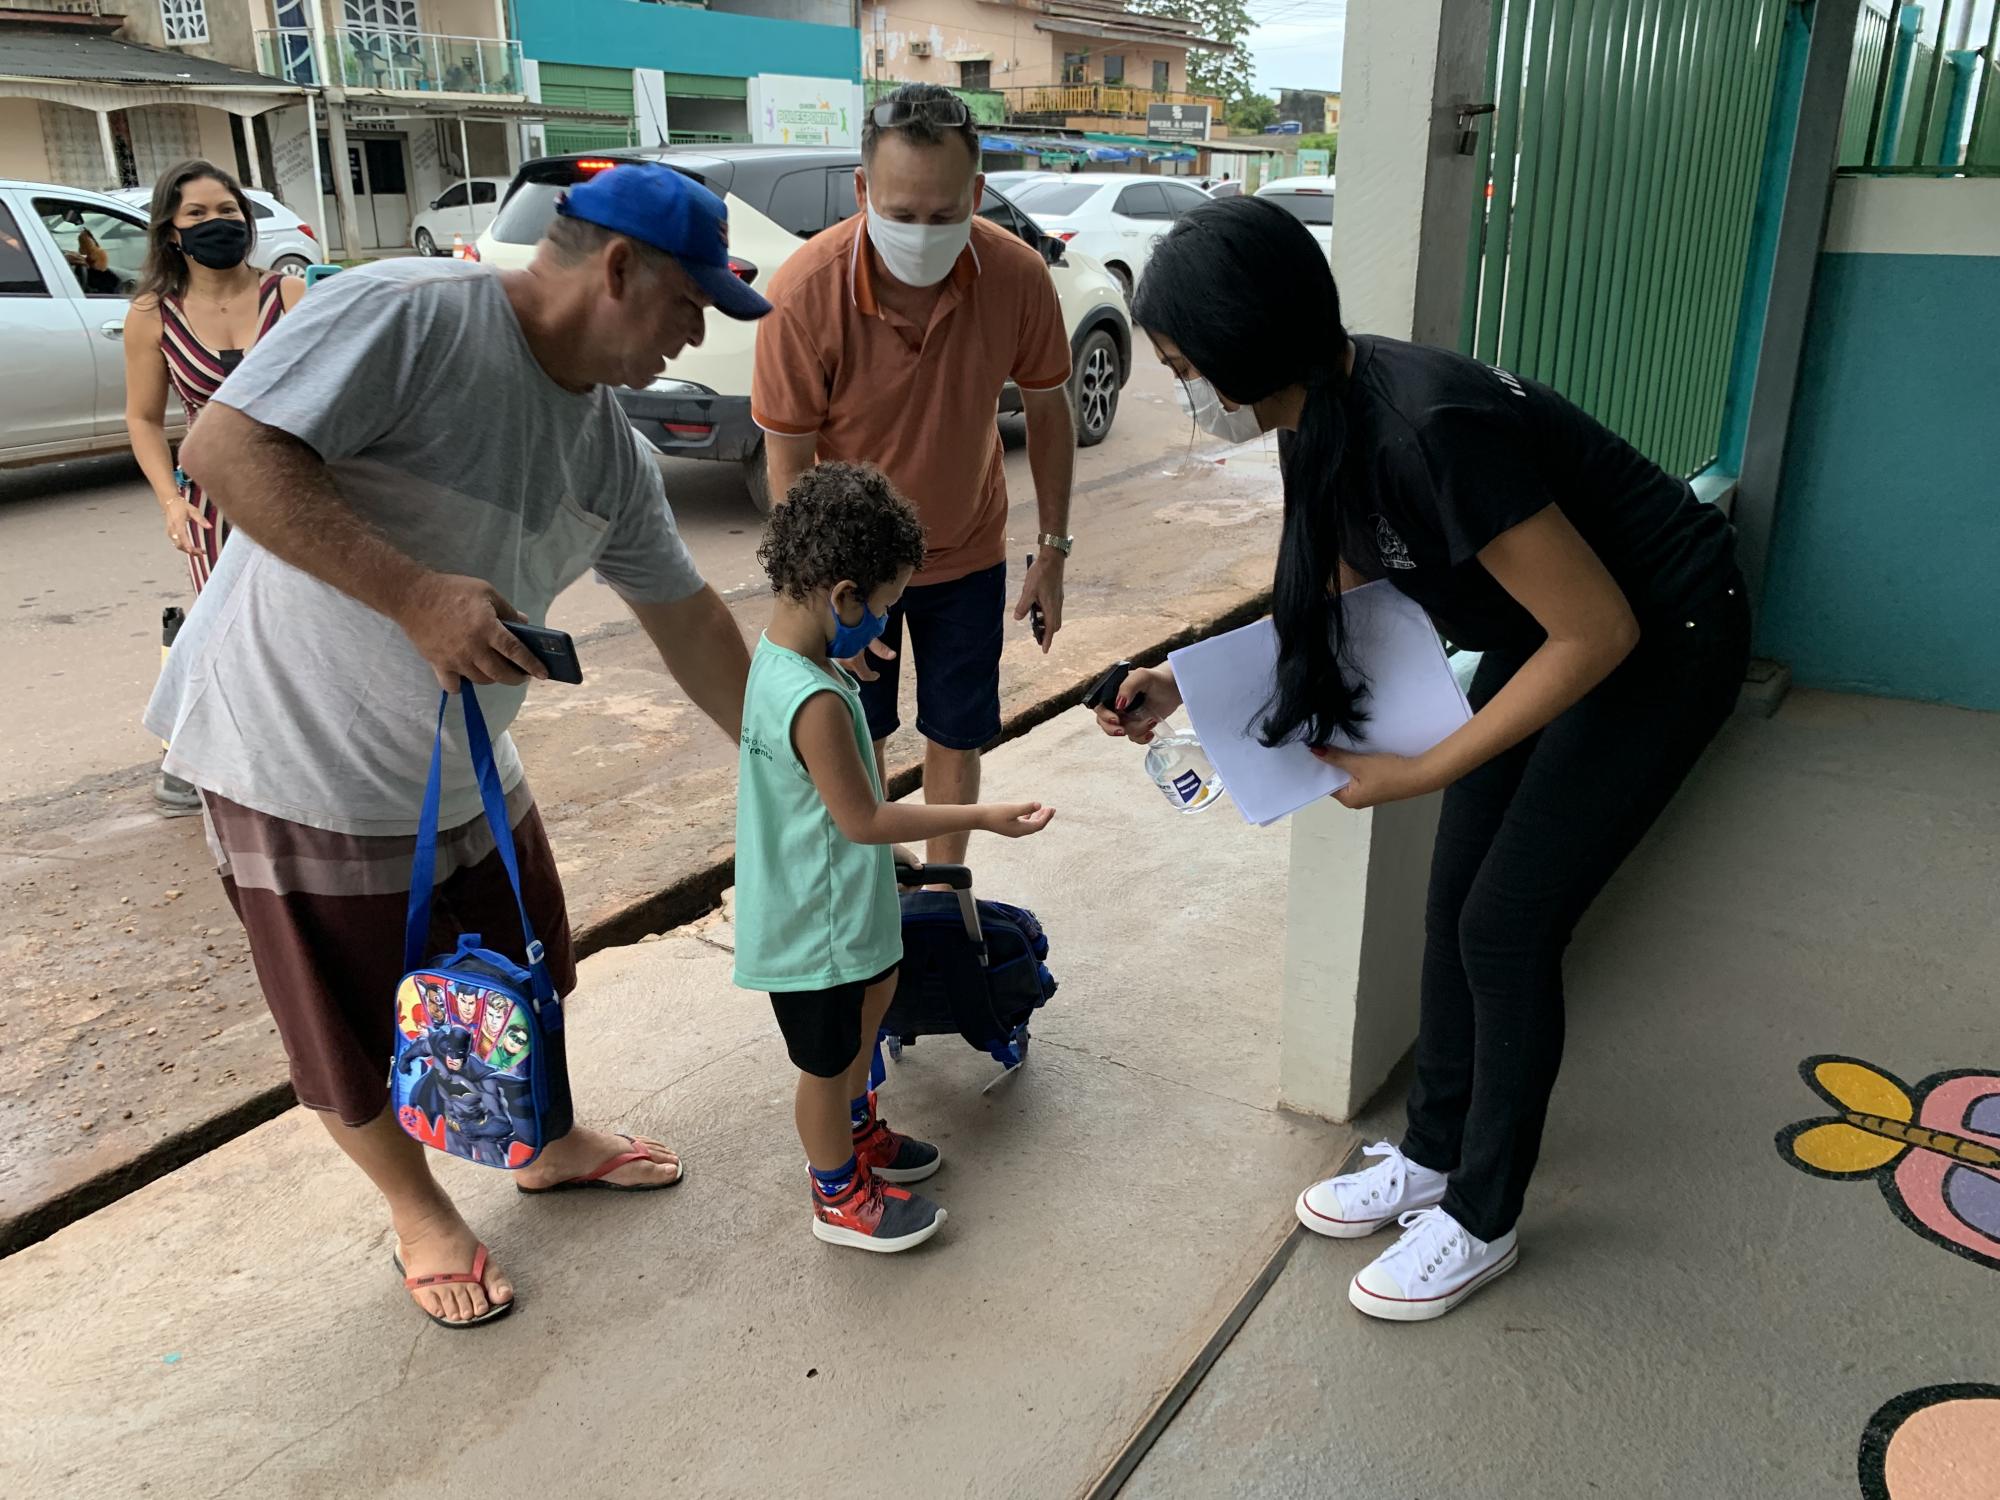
956	631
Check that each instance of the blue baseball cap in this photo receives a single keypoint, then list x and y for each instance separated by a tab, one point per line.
657	206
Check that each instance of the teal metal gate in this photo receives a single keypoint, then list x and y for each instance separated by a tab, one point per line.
1612	231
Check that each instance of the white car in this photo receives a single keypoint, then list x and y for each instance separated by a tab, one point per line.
69	259
1310	201
778	197
285	242
465	208
1011	183
1113	217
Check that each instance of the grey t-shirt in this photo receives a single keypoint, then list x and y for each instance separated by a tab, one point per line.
413	380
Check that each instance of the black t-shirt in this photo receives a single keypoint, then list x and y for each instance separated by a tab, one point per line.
1444	454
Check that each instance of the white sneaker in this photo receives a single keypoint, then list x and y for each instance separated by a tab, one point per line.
1435	1266
1362	1202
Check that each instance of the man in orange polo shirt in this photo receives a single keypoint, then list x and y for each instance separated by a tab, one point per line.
892	337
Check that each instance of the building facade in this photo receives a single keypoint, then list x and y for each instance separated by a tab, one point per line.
685	75
1083	64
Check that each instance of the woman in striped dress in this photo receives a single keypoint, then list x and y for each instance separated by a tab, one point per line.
199	307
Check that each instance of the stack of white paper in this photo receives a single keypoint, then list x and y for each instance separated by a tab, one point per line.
1413	700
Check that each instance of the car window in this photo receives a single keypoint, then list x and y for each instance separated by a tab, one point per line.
998	210
260	210
840	200
1056	197
1181	197
525	216
1307	208
798	202
485	192
19	276
452	197
1144	201
105	251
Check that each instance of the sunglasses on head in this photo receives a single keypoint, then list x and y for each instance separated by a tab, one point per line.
949	112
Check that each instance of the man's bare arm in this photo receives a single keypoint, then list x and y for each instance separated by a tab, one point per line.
786	458
280	493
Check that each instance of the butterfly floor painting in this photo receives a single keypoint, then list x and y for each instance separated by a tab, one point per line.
1933	1147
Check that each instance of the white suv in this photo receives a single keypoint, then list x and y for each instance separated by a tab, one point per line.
778	197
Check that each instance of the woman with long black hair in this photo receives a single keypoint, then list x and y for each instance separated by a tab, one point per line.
1614	630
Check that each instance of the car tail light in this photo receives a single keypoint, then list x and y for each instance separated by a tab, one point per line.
595	164
744	270
307	230
1065	235
689	429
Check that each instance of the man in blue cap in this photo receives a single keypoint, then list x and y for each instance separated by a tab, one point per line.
422	452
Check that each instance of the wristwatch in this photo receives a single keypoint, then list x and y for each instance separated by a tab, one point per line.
1061	544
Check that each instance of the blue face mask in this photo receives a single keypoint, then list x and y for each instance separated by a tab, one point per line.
849	641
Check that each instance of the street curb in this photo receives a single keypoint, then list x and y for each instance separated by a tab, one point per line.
689	898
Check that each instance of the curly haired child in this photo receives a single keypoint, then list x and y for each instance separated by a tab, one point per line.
818	924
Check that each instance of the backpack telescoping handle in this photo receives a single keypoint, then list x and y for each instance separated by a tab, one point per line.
957	878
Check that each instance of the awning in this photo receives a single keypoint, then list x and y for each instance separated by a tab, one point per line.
96	71
405	106
1117	33
1098	148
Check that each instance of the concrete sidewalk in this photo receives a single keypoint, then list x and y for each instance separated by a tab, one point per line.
237	1329
1692	1316
133	1022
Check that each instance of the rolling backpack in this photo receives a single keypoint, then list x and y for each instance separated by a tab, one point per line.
970	968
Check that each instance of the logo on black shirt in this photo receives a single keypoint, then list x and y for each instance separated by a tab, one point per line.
1510	382
1394	554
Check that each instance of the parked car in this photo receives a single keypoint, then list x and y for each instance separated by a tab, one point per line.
1229	187
1310	201
1011	183
778	197
69	261
285	242
464	208
1114	217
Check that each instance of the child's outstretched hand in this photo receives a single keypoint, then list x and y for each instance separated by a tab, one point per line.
1016	820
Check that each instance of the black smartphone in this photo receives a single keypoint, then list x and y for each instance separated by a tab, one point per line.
1037	622
553	649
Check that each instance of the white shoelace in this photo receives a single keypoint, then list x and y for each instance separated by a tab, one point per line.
1375	1187
1432	1243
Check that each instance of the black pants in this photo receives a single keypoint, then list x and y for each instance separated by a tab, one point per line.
1524	844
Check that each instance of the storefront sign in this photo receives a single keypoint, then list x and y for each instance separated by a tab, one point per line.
787	111
1315	163
1177	122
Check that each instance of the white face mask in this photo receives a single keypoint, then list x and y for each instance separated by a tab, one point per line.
1237	426
918	254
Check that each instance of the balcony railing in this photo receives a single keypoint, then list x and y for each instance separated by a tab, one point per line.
397	61
1105	100
1914	104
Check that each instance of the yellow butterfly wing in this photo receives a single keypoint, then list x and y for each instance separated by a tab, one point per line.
1843	1149
1864	1090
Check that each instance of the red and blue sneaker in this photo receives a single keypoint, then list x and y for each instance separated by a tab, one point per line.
893	1157
867	1215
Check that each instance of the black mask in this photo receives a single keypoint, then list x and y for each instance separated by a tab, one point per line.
219	244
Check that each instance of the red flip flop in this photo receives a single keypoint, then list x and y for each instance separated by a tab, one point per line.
475	1277
595	1178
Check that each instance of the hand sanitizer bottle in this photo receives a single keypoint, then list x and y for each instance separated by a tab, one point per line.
1182	771
1180	768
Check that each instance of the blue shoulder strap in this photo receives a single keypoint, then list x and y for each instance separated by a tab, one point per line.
423	864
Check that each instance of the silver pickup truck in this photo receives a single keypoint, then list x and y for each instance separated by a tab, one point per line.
69	259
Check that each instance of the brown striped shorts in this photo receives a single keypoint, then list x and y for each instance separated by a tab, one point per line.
325	912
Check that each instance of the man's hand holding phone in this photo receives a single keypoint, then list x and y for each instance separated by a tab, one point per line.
459	626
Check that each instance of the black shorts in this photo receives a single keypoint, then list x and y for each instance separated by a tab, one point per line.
823	1027
957	630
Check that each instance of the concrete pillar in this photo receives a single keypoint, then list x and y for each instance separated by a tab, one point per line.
343	186
1402	213
246	129
112	177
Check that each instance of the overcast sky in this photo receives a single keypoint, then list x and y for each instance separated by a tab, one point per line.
1296	44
